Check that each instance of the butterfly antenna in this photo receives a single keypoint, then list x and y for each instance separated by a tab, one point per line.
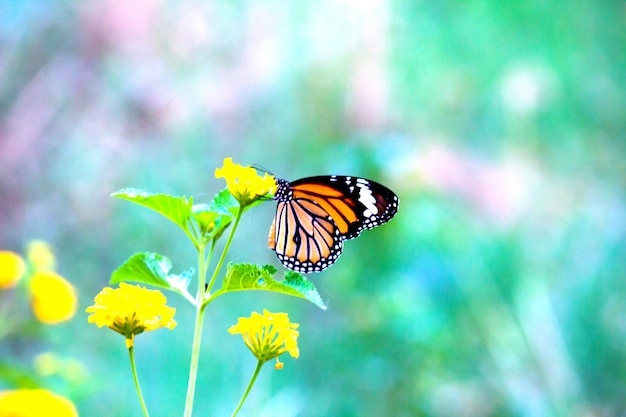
259	167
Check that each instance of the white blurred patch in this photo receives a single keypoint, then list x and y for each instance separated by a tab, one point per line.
525	89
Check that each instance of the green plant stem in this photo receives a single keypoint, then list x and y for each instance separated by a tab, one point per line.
200	307
131	353
197	333
225	251
195	357
245	394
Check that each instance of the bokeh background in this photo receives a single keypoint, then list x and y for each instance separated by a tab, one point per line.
499	288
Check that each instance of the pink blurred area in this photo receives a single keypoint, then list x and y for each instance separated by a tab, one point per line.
109	84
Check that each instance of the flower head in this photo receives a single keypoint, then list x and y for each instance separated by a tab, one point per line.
131	310
12	268
244	183
268	335
35	403
53	298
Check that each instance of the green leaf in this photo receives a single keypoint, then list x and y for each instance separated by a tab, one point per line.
153	269
177	209
211	223
224	203
242	277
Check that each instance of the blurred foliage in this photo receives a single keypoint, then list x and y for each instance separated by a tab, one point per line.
499	289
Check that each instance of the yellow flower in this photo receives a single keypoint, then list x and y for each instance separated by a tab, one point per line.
268	335
244	183
131	310
40	256
35	403
53	298
12	268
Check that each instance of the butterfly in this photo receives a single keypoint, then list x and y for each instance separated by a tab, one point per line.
315	215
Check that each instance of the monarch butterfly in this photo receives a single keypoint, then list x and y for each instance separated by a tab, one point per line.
315	215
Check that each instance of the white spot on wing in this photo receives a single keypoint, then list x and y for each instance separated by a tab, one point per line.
367	199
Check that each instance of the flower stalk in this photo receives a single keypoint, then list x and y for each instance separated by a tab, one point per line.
201	304
131	310
131	353
224	252
259	365
246	186
268	336
197	333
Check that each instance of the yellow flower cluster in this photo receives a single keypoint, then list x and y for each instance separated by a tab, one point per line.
269	335
35	403
131	310
12	269
53	298
244	183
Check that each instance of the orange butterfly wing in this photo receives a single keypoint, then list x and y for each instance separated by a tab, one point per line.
315	215
304	237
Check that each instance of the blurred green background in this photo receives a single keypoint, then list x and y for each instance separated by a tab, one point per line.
499	288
